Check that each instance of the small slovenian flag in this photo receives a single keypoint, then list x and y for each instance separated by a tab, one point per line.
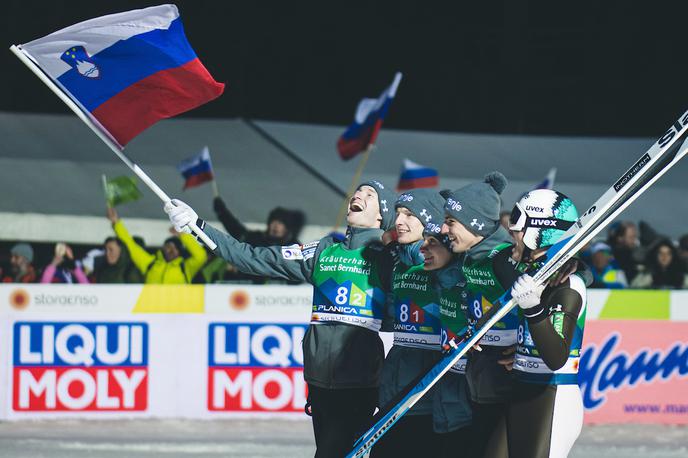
417	176
367	122
126	71
197	170
548	182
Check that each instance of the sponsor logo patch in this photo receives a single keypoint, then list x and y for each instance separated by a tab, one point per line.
292	252
308	250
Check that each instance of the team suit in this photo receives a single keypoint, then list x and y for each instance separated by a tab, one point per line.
342	350
489	272
545	415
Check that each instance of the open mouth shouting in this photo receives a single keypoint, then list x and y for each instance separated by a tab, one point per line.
356	204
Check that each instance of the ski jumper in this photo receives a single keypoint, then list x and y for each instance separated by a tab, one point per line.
489	271
545	415
416	348
342	350
452	415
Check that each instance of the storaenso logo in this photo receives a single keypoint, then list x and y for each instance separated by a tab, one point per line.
65	299
633	171
673	130
19	299
491	338
602	369
282	300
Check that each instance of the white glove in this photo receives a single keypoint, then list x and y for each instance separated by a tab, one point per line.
181	215
526	293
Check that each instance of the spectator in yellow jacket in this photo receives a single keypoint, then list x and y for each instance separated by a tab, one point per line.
167	265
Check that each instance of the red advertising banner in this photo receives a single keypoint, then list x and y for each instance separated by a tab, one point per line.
634	371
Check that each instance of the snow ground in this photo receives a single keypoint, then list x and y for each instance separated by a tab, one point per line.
268	438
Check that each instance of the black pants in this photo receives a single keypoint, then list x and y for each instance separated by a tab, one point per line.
340	417
543	420
456	444
489	431
412	436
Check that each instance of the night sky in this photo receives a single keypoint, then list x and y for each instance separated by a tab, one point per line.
573	68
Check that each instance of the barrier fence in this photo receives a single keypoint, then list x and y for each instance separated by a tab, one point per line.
219	351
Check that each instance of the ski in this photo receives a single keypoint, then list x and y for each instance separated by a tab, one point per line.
656	161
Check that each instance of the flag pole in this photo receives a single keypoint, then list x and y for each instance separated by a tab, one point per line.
105	137
352	187
107	201
213	183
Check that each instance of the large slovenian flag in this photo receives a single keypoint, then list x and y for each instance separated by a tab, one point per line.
367	122
197	170
417	176
126	71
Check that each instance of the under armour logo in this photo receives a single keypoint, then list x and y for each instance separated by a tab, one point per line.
477	224
427	217
556	308
384	205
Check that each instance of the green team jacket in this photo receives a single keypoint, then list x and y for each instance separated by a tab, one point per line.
336	354
451	407
415	350
488	381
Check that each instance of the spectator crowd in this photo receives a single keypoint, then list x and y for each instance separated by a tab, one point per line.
124	258
631	256
638	257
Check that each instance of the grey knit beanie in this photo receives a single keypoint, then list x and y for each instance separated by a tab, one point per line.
386	199
477	205
23	249
426	204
